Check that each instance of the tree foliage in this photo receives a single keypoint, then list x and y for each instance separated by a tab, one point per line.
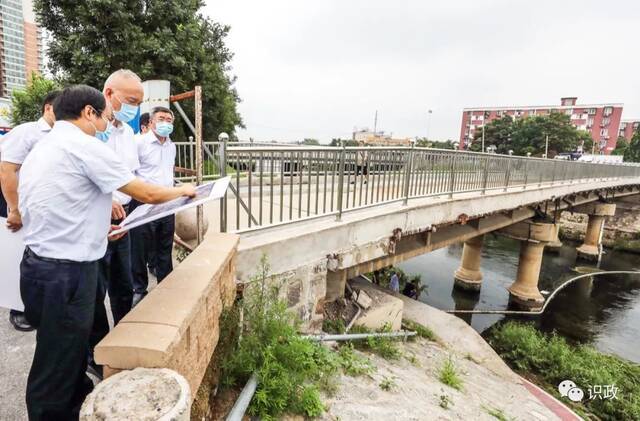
528	135
632	151
166	39
26	104
437	144
311	142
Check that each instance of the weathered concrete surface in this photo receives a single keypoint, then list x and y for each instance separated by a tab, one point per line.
384	309
416	394
468	276
176	326
143	394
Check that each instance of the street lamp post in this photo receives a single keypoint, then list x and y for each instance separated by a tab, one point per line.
483	137
546	147
429	112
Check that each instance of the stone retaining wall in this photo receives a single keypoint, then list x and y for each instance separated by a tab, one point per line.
176	326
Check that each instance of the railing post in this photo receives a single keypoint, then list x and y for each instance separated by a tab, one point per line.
222	162
341	182
407	177
485	175
508	174
452	174
199	161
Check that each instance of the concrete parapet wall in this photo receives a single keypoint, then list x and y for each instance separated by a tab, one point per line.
176	326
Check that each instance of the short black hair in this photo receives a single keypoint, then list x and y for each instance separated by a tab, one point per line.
49	98
72	100
144	119
160	109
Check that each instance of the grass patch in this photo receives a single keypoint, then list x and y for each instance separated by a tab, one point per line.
551	359
496	413
422	331
352	363
385	347
448	374
387	384
334	326
291	370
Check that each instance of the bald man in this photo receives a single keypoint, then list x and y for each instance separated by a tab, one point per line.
123	91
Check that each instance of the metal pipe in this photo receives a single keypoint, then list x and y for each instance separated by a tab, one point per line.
199	163
244	399
354	336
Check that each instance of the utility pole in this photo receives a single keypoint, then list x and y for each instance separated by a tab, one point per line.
546	147
375	123
483	137
429	112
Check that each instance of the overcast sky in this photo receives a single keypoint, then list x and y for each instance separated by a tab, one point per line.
320	68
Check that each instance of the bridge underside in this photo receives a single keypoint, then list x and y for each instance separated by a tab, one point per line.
324	251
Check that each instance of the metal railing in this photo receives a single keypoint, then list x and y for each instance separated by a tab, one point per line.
278	184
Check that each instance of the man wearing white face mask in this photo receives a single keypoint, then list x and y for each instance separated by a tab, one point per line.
123	91
66	186
157	155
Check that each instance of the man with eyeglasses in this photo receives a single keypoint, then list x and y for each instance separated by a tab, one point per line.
157	154
123	91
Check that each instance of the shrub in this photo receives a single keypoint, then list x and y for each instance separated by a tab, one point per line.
553	360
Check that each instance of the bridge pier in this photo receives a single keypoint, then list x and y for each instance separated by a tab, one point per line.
591	248
468	276
533	237
555	245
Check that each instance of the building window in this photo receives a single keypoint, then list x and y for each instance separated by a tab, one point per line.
605	121
592	111
608	111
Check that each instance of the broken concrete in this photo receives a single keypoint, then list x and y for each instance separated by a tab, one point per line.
384	309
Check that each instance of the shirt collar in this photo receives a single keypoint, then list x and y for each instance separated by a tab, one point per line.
43	126
154	139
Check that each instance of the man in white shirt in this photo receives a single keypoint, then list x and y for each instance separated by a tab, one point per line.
123	91
157	155
16	146
66	188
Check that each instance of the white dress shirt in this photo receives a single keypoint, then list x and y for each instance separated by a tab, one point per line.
122	142
65	194
17	144
156	160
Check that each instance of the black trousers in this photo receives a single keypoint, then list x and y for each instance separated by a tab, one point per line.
159	234
3	205
59	298
114	278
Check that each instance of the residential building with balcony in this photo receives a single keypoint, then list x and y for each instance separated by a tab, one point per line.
601	120
367	137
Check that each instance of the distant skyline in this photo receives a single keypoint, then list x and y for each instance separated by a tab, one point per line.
319	69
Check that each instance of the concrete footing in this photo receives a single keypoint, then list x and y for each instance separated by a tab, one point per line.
384	309
468	276
139	394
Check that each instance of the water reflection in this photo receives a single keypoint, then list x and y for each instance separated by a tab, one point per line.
603	311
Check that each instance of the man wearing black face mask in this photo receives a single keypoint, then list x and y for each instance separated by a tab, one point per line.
66	188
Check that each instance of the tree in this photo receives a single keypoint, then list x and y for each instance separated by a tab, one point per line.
632	152
311	142
437	144
165	39
26	104
347	142
621	146
497	133
528	135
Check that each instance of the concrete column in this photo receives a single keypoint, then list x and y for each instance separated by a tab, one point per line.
555	245
533	237
139	394
524	291
468	276
591	248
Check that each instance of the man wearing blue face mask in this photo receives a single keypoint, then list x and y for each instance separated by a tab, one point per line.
157	155
123	91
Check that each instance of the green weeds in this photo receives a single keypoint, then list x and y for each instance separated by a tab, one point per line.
448	374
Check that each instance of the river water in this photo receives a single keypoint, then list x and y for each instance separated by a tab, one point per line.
603	311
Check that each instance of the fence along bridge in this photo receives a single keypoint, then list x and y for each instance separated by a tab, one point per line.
325	214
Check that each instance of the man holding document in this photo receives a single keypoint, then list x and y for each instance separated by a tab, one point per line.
65	193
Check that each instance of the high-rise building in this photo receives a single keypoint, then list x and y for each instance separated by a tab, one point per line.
601	120
21	51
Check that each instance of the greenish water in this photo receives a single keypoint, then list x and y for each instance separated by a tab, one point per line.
603	310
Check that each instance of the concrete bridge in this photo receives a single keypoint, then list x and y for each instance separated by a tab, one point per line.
325	215
410	202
